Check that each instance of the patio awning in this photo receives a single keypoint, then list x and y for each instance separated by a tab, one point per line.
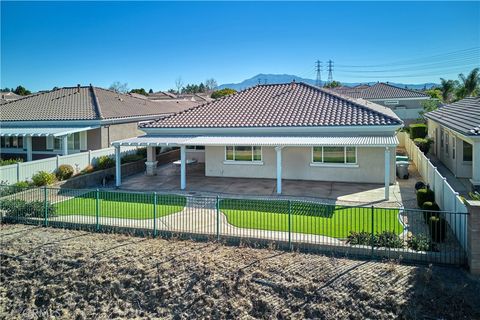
42	131
283	141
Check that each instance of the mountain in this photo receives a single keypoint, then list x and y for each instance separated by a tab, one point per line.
285	78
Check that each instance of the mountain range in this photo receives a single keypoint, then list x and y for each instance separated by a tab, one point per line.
285	78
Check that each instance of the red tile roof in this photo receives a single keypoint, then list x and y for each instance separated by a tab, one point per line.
380	91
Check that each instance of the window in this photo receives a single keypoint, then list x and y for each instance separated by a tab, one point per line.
243	153
454	145
441	138
73	142
346	155
467	151
195	148
446	142
12	142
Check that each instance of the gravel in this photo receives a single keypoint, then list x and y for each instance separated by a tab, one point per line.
64	274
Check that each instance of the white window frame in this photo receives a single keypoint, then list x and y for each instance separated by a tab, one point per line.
328	164
254	162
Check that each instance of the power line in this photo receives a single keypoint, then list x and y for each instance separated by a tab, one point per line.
318	68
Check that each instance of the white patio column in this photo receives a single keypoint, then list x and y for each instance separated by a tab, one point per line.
118	167
65	145
151	163
183	168
475	163
387	173
279	169
28	143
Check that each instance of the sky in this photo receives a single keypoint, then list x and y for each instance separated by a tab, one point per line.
151	44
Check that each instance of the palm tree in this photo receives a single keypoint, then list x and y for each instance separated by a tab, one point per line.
469	84
447	87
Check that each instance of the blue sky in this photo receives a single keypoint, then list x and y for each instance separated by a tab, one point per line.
150	44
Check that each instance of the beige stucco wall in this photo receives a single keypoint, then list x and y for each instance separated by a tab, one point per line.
296	165
119	131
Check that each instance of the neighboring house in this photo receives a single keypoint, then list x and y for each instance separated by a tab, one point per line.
74	119
9	96
406	103
281	131
455	129
161	95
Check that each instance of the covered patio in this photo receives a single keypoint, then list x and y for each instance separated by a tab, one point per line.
175	177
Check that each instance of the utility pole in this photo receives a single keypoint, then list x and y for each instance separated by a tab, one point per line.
318	68
330	71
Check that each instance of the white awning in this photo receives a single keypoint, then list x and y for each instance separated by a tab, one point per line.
42	132
151	140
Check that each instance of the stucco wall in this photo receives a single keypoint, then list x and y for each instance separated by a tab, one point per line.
119	131
296	165
94	139
407	110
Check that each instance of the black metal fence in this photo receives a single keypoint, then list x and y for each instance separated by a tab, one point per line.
393	233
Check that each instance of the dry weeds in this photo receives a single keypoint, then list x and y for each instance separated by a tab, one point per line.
53	273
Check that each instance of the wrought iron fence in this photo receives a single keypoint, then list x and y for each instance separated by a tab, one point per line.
393	233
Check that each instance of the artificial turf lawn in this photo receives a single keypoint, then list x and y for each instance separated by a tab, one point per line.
311	218
121	205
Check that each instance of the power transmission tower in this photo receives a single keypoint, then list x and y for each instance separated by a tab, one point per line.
318	68
330	71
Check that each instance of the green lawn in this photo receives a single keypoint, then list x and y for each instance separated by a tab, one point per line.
121	205
329	220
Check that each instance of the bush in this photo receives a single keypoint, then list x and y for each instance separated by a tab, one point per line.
105	162
142	152
43	178
361	238
22	184
418	130
64	172
7	189
430	208
388	239
132	158
9	161
88	169
425	195
423	144
222	93
420	243
438	228
21	208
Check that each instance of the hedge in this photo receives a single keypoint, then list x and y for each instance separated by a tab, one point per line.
425	195
418	130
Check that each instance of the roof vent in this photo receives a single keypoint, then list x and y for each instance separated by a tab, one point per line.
293	84
78	88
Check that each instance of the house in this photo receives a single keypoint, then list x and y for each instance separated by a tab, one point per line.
455	129
9	96
406	103
280	131
74	119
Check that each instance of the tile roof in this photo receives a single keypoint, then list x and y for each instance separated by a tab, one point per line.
85	103
462	116
380	91
281	105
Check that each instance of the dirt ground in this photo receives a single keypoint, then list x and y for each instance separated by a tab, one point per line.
63	274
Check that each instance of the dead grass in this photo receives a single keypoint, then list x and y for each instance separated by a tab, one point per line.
78	275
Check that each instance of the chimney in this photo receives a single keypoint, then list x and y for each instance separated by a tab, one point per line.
78	88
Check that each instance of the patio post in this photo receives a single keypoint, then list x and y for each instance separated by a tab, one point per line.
387	173
151	163
65	145
118	167
28	142
279	169
183	178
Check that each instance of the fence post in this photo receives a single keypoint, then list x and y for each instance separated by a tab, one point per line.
217	209
373	230
58	162
18	171
97	209
89	157
290	224
45	203
154	214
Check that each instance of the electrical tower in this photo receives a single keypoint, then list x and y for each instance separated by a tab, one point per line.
330	71
318	68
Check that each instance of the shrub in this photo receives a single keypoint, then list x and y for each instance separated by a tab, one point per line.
88	169
22	184
21	208
7	162
423	144
105	162
438	228
362	238
7	189
388	239
425	195
430	208
64	172
420	242
132	158
222	93
43	178
142	152
418	130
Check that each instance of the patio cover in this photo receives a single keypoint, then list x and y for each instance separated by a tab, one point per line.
42	132
281	141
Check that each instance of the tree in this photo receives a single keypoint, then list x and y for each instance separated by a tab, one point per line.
179	84
139	91
22	91
428	105
469	84
210	84
6	90
332	84
435	94
150	91
447	87
119	87
222	93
